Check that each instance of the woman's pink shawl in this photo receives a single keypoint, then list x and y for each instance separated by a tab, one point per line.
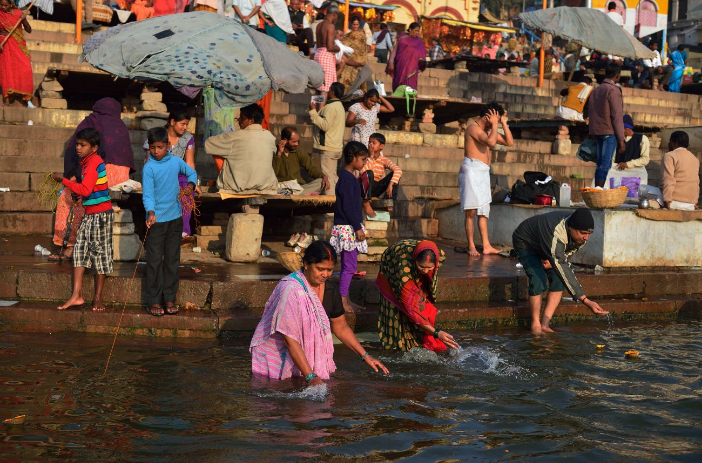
293	310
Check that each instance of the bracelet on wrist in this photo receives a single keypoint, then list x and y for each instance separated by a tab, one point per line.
310	376
436	333
363	357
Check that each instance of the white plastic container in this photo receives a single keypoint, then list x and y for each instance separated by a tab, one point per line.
564	195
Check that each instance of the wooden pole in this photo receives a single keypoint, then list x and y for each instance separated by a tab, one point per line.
541	56
11	31
346	16
79	20
577	59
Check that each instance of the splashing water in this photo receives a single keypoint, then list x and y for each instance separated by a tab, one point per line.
472	358
313	393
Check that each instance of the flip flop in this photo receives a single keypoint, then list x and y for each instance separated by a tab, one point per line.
61	256
151	310
359	275
171	309
460	250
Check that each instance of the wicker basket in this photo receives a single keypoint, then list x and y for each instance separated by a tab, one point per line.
292	261
603	199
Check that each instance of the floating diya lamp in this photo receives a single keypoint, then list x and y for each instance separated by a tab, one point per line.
600	347
16	420
631	354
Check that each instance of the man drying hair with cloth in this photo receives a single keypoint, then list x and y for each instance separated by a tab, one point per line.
544	244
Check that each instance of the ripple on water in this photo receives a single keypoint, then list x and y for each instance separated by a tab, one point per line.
317	393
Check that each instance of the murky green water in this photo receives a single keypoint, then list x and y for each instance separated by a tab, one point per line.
505	397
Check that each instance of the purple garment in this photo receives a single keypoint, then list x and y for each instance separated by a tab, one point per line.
183	182
115	145
409	59
349	264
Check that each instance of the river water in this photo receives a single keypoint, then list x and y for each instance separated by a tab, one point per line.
504	397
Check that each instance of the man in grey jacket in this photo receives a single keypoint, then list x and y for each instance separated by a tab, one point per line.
606	110
543	244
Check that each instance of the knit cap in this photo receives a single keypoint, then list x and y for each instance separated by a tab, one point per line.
582	220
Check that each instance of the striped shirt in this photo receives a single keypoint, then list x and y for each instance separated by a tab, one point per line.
93	188
378	166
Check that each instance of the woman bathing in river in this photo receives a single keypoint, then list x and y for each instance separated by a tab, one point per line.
407	283
293	337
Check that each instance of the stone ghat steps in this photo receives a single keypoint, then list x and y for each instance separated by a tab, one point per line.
40	317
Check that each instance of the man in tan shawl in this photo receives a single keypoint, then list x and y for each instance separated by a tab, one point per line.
248	156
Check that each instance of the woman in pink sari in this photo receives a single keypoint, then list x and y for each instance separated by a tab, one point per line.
408	58
294	336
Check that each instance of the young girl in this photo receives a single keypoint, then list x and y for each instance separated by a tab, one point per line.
348	236
181	144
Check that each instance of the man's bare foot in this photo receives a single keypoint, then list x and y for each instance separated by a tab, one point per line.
368	209
98	306
473	252
490	250
536	329
72	302
546	329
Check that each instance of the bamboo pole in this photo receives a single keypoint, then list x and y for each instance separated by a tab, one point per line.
24	15
541	56
577	59
346	16
79	20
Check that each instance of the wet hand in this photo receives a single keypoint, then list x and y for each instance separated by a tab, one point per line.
315	382
360	235
493	117
595	308
448	339
376	365
622	166
151	219
57	177
503	118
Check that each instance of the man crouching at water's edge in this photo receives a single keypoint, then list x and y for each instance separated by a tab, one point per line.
544	244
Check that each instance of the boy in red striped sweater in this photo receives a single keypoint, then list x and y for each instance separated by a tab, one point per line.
93	246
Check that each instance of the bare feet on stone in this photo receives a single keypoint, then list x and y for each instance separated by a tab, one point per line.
487	250
473	252
72	302
368	209
98	306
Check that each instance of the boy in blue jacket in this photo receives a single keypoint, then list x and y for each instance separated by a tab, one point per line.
164	223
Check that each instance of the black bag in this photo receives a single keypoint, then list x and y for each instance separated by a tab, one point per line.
525	193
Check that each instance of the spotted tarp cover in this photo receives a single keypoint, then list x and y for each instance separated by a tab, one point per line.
199	49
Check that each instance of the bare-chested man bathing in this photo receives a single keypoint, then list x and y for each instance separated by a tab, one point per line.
474	176
326	33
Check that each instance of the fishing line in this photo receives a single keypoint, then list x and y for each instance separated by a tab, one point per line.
191	206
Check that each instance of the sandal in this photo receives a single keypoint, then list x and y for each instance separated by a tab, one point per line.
171	309
156	310
61	255
460	250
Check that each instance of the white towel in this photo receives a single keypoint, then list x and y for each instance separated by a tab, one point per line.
474	184
278	11
343	50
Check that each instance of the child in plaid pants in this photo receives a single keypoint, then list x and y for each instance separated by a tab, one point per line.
93	248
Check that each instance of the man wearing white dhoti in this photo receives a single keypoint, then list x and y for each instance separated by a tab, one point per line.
474	176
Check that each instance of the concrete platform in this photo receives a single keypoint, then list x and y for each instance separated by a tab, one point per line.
621	238
229	298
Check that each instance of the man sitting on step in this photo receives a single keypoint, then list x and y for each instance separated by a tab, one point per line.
248	156
680	181
288	160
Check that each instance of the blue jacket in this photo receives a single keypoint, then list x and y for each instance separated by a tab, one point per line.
161	188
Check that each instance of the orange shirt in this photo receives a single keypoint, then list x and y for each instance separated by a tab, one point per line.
378	167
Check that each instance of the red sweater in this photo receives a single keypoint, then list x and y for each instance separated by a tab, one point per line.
93	188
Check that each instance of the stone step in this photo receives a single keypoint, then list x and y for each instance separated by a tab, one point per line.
21	201
53	57
39	223
412	192
52	26
54	36
43	68
31	164
35	132
53	47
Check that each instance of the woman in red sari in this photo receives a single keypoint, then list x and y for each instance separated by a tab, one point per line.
408	58
407	282
15	68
